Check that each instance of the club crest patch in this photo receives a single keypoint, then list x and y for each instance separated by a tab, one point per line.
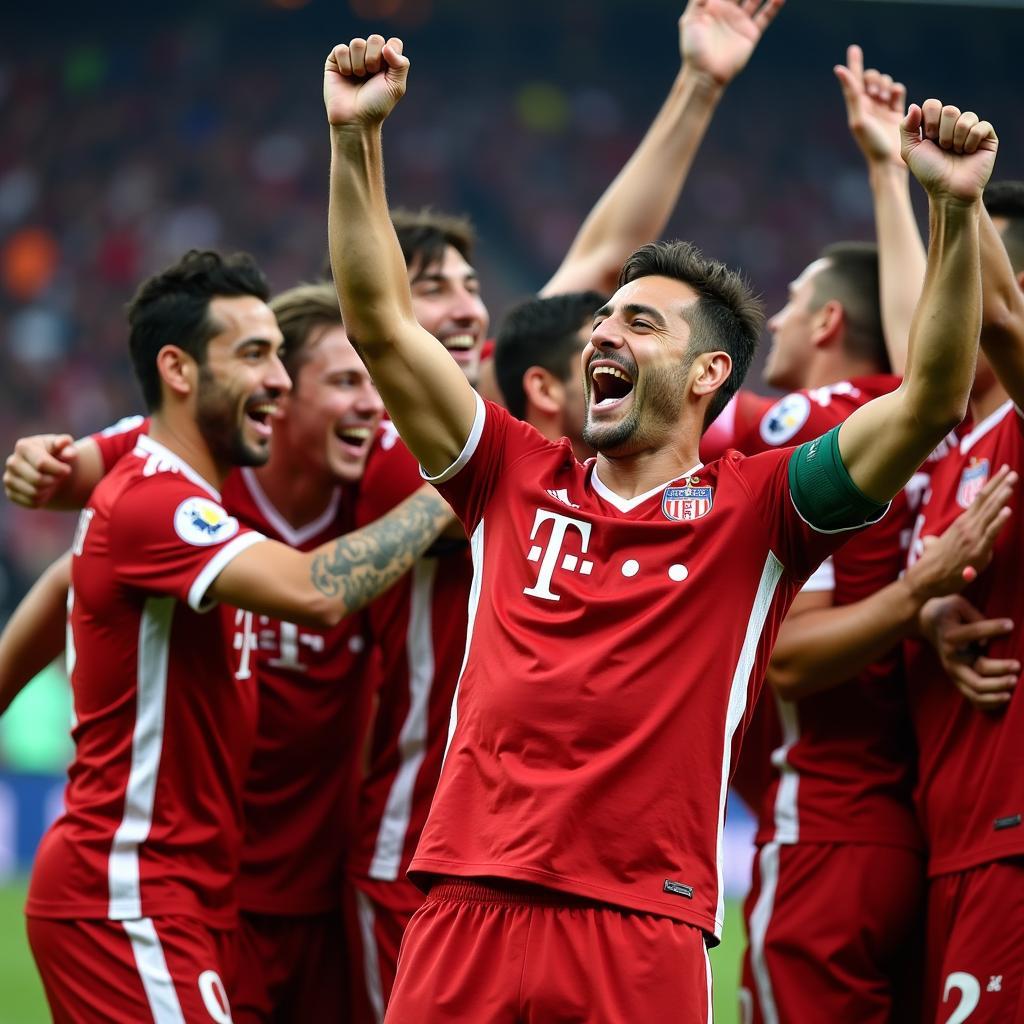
972	480
201	522
684	504
782	421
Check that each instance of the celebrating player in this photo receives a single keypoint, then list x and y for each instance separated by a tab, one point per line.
589	753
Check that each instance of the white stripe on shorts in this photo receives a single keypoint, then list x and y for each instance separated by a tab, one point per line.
152	965
371	958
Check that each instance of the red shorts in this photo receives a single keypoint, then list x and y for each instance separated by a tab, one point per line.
975	945
290	969
168	970
380	914
524	954
833	934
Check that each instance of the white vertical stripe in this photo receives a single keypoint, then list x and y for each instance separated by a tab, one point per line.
156	978
412	739
70	653
770	576
147	747
371	957
476	543
787	818
760	916
707	971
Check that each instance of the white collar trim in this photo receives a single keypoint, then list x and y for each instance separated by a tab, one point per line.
628	504
982	428
294	536
151	447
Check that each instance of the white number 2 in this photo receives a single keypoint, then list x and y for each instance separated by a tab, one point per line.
215	999
970	995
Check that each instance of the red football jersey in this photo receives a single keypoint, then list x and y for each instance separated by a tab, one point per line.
164	704
314	698
970	788
419	630
842	771
614	651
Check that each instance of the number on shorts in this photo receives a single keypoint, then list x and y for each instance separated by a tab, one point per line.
970	995
215	999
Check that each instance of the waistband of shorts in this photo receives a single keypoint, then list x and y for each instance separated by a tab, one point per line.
504	892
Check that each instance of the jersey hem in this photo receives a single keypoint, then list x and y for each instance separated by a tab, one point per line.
425	871
974	859
839	839
100	911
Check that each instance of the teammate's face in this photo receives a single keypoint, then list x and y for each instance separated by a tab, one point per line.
333	412
241	381
636	366
792	330
446	301
574	396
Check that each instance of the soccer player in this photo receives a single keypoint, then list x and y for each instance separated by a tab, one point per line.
572	845
970	763
133	887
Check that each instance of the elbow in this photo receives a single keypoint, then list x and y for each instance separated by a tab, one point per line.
783	680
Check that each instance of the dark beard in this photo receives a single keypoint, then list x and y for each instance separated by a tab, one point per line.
218	417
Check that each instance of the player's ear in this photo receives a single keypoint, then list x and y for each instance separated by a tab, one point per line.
177	369
827	324
709	372
543	390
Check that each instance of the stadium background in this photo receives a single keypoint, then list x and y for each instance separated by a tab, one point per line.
129	135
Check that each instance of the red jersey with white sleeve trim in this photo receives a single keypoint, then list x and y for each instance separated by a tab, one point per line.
314	699
164	704
970	789
614	652
419	630
843	769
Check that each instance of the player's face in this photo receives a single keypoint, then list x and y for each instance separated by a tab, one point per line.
333	412
636	366
446	301
792	331
241	381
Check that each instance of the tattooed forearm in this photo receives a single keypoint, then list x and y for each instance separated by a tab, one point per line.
362	565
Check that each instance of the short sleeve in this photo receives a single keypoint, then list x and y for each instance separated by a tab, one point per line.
169	537
496	442
119	439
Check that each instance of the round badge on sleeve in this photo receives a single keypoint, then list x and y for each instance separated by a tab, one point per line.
201	521
785	418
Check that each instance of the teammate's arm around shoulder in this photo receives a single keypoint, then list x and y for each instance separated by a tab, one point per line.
882	444
424	391
320	587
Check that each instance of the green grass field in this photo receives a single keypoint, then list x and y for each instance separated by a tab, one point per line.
22	1001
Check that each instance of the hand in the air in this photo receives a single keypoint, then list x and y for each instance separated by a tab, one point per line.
363	80
717	37
874	107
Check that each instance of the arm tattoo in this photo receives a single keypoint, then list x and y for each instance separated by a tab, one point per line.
363	564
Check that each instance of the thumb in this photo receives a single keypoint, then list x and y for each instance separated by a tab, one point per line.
910	130
392	52
63	447
846	81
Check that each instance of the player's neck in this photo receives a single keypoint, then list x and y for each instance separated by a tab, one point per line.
631	475
830	368
983	403
181	436
300	496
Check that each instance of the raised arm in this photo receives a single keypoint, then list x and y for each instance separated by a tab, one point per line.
1002	323
35	632
884	442
716	40
321	587
874	110
426	395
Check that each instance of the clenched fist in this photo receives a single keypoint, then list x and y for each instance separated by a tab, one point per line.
363	80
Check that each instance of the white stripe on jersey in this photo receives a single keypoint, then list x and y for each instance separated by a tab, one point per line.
707	971
476	543
770	576
147	747
156	978
787	817
412	739
759	917
371	957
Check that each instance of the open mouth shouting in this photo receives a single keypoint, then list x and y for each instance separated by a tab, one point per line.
354	438
611	385
259	411
460	345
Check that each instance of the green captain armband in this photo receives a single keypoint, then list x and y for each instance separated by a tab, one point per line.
823	492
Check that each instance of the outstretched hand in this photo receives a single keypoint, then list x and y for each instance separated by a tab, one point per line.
717	37
364	80
874	107
950	153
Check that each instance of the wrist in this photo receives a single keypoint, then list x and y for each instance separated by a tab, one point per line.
887	169
701	85
954	208
913	594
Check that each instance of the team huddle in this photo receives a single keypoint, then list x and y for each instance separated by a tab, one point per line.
411	673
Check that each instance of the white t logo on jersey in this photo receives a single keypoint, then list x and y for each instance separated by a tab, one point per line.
548	557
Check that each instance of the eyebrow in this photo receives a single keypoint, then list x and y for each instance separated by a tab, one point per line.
439	278
634	309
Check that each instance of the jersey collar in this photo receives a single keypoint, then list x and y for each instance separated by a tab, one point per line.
628	504
294	536
151	447
968	441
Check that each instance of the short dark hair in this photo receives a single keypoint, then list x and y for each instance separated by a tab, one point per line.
727	315
173	308
1006	199
425	234
851	278
304	313
541	332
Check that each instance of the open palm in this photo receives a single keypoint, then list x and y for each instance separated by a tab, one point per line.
717	37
